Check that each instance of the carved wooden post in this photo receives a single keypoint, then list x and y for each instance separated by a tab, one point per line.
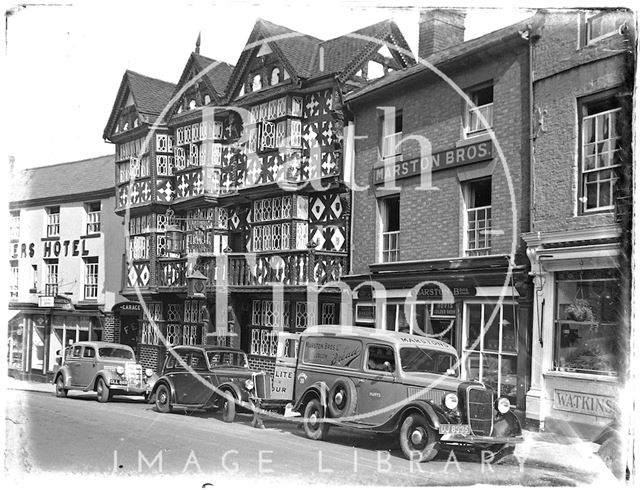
311	261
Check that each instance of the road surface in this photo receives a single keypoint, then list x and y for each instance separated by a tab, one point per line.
128	437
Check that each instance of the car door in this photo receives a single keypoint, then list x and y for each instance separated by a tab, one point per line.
200	381
87	366
74	363
377	388
178	374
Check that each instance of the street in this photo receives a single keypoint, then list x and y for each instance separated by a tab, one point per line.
128	437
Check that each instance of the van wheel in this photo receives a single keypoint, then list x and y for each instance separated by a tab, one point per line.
228	406
313	427
163	399
61	391
419	442
104	393
342	398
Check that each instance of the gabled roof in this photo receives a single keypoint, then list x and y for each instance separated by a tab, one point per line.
64	179
150	96
296	50
216	77
301	53
455	54
343	54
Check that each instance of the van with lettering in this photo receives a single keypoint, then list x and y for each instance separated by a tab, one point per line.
394	383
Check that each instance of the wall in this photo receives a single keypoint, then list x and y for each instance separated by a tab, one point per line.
565	71
430	221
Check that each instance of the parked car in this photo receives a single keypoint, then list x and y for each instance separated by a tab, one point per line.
395	383
209	377
108	369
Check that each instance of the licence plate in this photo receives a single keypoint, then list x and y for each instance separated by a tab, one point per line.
461	429
118	382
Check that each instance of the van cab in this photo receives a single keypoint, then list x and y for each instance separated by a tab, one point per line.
391	382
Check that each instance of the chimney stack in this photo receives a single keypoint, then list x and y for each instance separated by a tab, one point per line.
439	29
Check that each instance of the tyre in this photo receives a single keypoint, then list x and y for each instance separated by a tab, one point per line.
313	427
163	399
61	391
418	440
104	393
342	398
228	406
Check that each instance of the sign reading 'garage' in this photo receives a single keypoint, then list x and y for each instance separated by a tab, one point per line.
454	157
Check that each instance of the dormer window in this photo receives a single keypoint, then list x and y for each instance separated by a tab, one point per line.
256	82
207	99
136	123
275	76
192	104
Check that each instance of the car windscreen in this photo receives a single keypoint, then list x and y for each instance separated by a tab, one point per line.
227	358
419	360
116	353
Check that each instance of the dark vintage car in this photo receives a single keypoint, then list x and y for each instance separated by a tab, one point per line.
106	368
396	383
209	377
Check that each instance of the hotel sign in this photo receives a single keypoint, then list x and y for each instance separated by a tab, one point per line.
587	403
455	157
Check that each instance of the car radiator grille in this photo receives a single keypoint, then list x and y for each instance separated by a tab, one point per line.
133	373
262	384
480	410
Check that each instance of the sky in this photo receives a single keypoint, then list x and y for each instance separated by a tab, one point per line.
64	62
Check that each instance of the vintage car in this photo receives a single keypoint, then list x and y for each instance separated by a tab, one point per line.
395	383
209	377
106	368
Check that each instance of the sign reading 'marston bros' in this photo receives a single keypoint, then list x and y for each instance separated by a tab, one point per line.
442	160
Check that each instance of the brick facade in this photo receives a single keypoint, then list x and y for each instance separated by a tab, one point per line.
266	364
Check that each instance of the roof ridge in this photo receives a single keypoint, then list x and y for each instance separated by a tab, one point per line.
110	155
132	72
386	21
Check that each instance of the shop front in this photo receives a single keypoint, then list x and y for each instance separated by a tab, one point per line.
37	336
484	313
582	335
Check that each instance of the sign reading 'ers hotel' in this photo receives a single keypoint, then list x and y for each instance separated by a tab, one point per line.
451	158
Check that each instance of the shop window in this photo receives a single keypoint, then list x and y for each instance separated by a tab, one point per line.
490	346
53	221
435	320
93	217
391	135
588	336
601	152
14	276
14	225
477	200
91	278
482	107
390	228
51	286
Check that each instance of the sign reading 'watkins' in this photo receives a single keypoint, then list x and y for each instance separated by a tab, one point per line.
442	160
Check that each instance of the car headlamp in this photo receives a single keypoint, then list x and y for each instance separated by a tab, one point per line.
248	384
148	372
451	401
120	370
503	405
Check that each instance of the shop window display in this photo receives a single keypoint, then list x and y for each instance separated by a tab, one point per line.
588	334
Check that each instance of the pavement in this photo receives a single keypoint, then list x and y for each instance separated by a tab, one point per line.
542	449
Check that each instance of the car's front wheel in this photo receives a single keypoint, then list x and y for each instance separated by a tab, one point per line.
228	406
61	391
104	393
163	399
313	427
418	440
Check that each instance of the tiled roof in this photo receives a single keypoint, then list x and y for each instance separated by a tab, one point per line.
150	94
299	49
449	55
64	179
218	75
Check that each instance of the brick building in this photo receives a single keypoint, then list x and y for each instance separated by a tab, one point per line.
64	279
579	242
459	224
232	187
